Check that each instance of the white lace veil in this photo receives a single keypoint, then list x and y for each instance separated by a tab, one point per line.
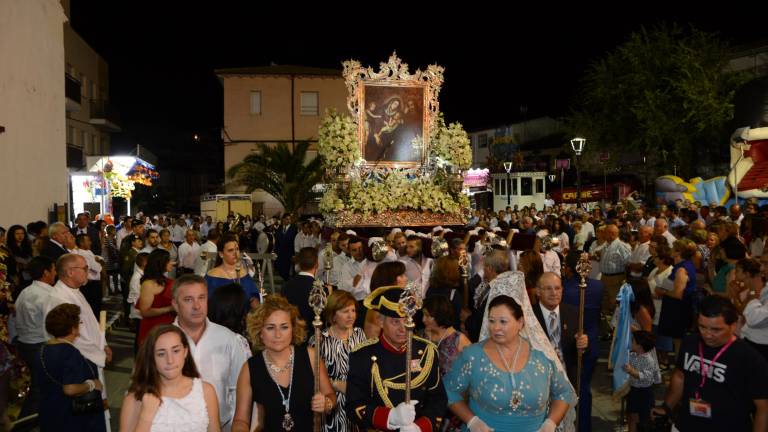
512	284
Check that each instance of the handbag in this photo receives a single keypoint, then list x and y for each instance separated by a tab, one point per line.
87	403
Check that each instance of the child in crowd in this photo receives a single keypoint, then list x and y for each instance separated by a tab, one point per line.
643	370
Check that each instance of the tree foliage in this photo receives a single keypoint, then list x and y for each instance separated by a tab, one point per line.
665	93
282	172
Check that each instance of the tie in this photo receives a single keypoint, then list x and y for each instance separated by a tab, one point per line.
554	333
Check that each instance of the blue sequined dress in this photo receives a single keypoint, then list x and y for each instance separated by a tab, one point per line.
489	388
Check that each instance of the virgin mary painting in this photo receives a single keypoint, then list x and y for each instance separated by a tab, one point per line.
393	117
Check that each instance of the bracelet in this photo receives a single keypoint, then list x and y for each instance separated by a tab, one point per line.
91	385
472	420
328	404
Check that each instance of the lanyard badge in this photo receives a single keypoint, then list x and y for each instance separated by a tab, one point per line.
697	406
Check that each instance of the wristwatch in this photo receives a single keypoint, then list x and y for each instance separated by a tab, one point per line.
328	404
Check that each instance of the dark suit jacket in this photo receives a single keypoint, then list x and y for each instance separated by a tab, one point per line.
285	248
52	250
93	233
569	325
296	290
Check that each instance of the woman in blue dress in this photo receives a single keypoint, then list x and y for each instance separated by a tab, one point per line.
230	269
510	385
512	382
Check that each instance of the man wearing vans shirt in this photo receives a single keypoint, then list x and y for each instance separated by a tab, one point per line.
733	393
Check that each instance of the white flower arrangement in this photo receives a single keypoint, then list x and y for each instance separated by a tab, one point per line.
337	141
396	192
450	144
338	145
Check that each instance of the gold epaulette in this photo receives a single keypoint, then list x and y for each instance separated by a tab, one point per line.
368	342
426	341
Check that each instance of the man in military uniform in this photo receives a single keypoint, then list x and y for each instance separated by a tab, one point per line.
376	384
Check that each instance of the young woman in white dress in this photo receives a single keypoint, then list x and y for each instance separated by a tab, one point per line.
166	392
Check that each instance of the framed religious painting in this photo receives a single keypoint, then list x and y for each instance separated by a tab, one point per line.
394	110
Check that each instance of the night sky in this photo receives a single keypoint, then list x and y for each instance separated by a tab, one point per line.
161	58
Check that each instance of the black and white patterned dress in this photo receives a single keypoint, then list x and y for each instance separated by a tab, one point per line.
336	357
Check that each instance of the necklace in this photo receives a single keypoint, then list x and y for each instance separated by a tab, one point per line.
273	367
517	395
445	333
287	419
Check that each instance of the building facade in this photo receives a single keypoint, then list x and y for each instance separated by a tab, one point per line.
90	116
274	104
33	172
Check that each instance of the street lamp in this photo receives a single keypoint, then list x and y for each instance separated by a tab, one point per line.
562	165
508	168
577	144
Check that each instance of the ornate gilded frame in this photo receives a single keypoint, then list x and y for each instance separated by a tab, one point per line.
393	73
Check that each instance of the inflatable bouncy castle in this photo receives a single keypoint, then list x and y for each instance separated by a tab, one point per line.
748	174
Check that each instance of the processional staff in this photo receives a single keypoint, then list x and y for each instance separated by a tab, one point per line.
582	268
410	303
317	300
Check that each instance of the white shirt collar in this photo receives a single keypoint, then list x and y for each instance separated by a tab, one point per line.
546	312
303	273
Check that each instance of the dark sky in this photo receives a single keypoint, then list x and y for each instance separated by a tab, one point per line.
162	54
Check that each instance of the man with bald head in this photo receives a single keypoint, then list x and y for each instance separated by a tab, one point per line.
613	264
58	237
661	227
560	321
72	270
735	215
641	253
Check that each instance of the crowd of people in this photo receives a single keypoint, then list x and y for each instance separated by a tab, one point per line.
497	343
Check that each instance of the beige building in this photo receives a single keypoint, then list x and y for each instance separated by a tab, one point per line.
266	105
33	172
90	117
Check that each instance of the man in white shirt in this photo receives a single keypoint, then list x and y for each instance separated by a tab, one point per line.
321	256
586	226
134	290
189	252
178	231
418	268
641	253
126	229
219	353
30	324
352	276
92	290
73	273
613	264
340	260
207	255
304	238
206	226
661	227
152	240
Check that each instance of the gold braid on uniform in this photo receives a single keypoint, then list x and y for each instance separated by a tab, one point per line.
384	386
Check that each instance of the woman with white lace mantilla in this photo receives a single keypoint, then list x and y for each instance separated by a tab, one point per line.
512	376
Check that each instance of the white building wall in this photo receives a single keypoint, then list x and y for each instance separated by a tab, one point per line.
33	173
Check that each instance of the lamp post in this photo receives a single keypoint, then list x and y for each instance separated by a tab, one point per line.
508	168
577	144
562	165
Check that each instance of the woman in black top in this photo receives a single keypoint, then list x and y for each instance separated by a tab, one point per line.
279	378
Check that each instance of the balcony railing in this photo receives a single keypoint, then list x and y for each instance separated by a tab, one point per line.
103	114
72	92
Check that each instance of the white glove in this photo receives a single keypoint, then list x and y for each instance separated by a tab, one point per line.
548	426
410	428
476	425
402	415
